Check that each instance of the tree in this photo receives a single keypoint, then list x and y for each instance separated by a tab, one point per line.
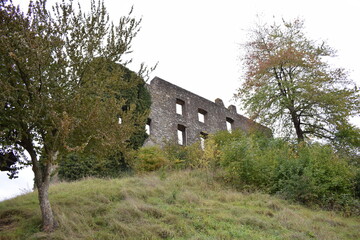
57	93
289	82
74	166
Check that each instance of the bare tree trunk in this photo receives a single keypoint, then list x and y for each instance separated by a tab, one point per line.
296	122
42	182
48	220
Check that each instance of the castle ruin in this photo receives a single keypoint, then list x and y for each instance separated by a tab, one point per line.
181	116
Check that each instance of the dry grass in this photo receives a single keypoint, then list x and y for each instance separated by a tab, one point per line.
178	205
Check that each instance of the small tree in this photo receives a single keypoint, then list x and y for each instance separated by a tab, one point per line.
288	82
60	87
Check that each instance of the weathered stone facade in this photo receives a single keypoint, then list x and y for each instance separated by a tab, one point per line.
181	116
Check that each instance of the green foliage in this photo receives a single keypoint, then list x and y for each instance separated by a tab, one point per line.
177	155
203	158
347	143
251	160
223	138
191	156
314	174
215	142
132	89
136	95
288	83
307	173
357	184
149	159
211	154
181	157
75	166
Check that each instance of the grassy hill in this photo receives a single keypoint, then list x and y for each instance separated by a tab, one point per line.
178	205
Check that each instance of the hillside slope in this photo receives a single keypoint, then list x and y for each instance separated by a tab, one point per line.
179	205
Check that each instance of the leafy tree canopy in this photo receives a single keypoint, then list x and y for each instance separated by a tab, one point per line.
57	92
289	84
132	89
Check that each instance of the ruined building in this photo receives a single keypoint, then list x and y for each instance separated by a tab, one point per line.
181	116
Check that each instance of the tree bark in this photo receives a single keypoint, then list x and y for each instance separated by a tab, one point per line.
42	182
48	221
296	121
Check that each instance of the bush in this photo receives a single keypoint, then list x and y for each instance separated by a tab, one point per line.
250	160
210	158
75	166
224	138
357	184
177	155
149	159
183	157
315	174
194	157
310	174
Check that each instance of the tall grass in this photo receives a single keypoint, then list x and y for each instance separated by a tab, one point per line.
169	205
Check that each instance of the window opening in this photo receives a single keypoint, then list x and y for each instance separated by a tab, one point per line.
229	124
148	126
202	115
181	134
203	137
180	106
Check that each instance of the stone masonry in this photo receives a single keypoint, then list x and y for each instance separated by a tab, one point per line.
181	116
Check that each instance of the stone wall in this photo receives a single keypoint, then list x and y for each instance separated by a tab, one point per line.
166	123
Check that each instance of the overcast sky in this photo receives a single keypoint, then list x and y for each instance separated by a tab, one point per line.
197	43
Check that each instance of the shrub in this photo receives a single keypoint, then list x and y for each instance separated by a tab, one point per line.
210	158
314	174
75	166
223	138
149	159
177	155
357	184
192	156
307	173
250	160
182	157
